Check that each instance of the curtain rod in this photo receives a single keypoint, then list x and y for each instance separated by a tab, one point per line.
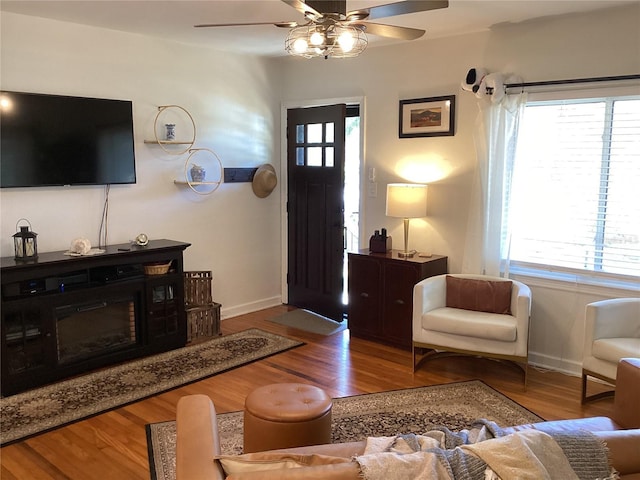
573	80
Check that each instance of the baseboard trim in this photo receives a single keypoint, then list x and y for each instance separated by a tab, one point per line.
568	367
230	312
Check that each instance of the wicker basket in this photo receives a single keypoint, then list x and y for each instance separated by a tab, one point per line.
157	268
203	314
203	321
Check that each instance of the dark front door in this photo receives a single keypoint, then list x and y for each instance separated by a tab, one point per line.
315	169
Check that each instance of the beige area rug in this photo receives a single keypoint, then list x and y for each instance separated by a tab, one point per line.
42	409
309	322
414	410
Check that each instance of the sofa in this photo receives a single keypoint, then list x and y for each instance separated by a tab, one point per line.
197	442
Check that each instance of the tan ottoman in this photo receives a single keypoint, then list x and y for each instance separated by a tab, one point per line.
285	415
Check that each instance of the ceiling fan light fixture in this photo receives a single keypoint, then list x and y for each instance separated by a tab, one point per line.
346	41
300	45
337	40
332	31
316	38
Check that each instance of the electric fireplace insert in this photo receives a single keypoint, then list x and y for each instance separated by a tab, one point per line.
95	328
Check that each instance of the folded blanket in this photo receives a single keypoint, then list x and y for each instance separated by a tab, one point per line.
433	455
525	455
485	452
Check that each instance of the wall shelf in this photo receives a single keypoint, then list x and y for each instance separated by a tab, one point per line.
214	170
163	143
195	184
167	142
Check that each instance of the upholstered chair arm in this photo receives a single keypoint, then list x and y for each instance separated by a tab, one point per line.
431	293
428	294
521	304
589	334
521	310
520	300
614	318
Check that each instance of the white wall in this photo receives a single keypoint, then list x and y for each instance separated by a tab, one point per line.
232	99
597	44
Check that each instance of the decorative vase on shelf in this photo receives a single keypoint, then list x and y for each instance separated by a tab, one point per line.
197	173
170	131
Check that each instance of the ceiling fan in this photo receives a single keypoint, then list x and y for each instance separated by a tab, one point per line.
332	31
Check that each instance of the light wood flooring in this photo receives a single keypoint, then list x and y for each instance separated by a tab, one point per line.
113	445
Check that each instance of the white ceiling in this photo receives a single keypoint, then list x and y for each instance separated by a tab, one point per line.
174	19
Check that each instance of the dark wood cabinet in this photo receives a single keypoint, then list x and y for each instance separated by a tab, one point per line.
163	308
381	294
64	315
26	345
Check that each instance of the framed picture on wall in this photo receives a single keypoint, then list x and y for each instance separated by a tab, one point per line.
427	117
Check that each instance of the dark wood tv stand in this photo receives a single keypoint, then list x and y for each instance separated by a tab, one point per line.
64	315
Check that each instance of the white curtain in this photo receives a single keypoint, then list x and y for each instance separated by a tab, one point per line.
495	135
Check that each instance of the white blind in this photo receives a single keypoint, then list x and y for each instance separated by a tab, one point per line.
575	199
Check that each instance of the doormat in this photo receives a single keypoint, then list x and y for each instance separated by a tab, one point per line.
309	322
41	409
414	410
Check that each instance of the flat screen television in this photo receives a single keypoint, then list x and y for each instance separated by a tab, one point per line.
50	140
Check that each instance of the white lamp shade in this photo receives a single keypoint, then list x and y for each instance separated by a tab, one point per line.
406	200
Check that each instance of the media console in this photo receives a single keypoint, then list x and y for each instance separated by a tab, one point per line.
65	315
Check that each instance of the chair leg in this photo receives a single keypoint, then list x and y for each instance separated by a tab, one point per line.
413	356
597	396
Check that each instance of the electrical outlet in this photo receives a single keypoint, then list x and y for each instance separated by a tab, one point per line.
373	189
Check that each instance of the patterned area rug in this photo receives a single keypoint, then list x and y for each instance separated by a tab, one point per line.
415	410
48	407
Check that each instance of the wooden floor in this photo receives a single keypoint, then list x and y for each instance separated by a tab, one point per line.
113	445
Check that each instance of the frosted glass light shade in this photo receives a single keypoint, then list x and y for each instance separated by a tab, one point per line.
406	200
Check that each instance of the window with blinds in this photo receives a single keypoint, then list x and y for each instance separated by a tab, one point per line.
575	197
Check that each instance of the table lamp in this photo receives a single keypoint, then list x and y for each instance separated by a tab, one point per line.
406	201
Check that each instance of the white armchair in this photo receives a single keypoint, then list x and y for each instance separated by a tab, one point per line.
439	326
612	332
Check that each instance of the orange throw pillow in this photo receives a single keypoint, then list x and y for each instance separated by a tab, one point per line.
491	296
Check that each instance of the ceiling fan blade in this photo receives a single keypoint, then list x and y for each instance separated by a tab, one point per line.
402	8
277	24
306	10
390	31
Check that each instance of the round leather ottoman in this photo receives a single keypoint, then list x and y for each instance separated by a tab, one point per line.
285	415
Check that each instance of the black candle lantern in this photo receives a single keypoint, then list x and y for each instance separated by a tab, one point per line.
24	243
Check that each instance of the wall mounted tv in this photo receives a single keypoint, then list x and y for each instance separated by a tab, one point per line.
49	140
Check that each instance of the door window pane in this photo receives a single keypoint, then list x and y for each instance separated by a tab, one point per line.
329	133
314	133
300	156
299	133
328	162
314	156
